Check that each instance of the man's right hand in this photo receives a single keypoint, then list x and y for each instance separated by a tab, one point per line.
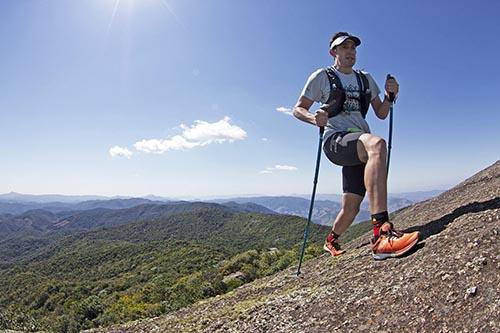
321	118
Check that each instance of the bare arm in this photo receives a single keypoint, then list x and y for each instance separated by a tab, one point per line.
301	111
382	108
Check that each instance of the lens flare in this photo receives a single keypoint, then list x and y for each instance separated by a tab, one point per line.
115	9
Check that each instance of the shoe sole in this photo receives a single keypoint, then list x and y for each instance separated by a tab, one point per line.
334	254
382	256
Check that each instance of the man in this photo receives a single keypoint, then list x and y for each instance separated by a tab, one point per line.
345	96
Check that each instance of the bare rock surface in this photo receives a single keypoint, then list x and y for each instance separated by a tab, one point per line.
449	283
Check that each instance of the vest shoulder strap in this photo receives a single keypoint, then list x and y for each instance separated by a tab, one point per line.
333	78
365	92
363	83
336	98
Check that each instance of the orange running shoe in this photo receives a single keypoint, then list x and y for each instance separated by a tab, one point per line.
333	247
392	243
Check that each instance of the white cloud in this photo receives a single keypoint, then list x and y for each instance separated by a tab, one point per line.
205	133
201	133
286	167
265	139
118	151
278	168
160	146
285	110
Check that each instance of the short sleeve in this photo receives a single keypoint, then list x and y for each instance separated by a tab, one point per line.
373	86
317	88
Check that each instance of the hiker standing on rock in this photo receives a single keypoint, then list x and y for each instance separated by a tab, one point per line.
345	96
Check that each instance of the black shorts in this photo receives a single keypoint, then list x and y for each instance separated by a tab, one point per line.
342	149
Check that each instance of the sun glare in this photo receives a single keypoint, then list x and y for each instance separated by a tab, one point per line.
117	3
167	6
115	9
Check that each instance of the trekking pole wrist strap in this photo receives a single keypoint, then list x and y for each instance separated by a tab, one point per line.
387	99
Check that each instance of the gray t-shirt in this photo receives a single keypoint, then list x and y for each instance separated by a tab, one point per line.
317	89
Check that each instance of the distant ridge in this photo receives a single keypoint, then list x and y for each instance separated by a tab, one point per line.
13	207
60	198
44	198
324	210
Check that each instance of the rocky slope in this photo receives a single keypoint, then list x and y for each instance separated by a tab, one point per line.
450	283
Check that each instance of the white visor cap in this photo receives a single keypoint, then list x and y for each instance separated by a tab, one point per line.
339	40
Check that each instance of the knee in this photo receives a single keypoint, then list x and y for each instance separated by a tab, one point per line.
377	145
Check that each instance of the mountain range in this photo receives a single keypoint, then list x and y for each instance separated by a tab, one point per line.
324	210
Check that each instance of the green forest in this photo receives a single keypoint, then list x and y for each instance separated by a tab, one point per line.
146	268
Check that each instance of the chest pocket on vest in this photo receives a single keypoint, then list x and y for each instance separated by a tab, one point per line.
336	100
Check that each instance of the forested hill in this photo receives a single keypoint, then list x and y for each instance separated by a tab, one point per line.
114	266
24	233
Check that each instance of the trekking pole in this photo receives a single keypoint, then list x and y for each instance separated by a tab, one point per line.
391	99
306	231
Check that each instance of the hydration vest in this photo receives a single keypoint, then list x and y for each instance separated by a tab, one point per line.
335	103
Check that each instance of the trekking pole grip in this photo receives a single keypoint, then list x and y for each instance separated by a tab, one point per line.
391	95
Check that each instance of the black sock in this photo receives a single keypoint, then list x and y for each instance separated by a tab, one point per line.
380	217
332	236
377	221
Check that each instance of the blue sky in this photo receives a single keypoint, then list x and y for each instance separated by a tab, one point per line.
191	90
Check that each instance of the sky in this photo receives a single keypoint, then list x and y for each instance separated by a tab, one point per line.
191	98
